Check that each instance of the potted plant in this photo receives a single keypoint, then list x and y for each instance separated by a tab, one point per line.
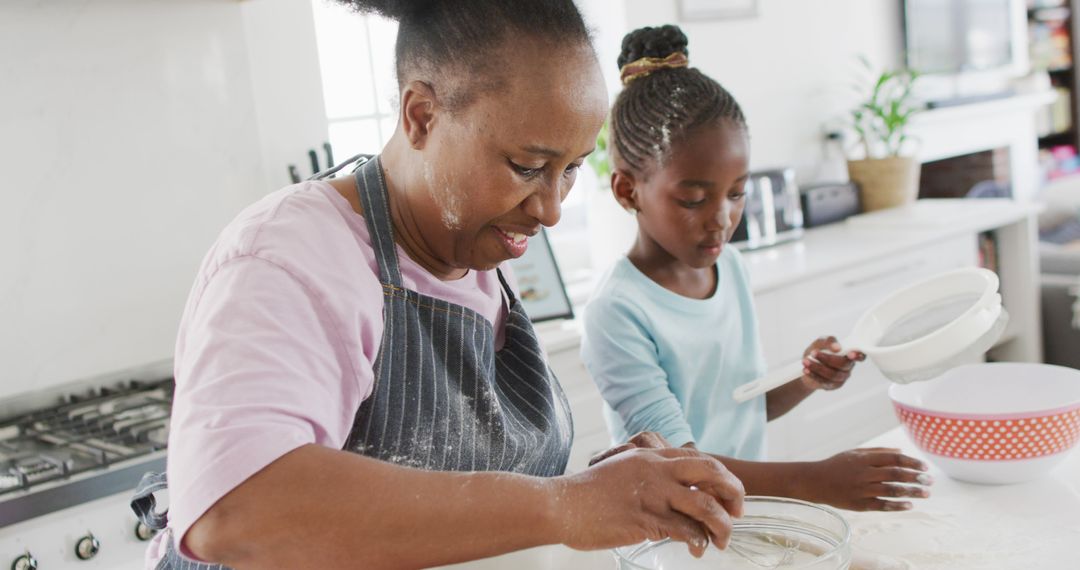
599	160
885	175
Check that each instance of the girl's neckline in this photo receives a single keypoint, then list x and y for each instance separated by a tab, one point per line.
668	293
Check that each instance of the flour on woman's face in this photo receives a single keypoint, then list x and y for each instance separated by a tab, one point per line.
449	199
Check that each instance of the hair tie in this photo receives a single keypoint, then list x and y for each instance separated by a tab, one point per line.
646	65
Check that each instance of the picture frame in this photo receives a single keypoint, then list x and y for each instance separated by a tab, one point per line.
691	10
540	284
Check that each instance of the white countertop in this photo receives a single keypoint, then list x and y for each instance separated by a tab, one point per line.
975	527
962	526
877	235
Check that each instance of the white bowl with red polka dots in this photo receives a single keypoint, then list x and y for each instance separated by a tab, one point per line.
993	423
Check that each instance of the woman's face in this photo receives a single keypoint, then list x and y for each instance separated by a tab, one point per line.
498	169
691	205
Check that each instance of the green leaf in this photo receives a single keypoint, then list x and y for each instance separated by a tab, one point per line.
600	159
882	116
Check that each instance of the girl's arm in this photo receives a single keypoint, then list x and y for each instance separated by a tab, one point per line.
783	399
860	479
821	371
621	356
318	507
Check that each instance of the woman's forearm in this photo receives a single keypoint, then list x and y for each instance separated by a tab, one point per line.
321	508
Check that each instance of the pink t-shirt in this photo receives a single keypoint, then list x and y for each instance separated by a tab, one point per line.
278	339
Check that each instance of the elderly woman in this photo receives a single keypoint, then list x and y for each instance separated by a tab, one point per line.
357	385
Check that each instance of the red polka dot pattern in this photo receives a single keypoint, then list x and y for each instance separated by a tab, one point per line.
992	439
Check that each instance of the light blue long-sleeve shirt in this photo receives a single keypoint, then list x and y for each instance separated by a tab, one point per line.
668	363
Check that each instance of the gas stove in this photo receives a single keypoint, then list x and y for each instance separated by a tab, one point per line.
73	454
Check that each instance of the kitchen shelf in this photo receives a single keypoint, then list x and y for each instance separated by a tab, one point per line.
1056	139
1050	13
1053	46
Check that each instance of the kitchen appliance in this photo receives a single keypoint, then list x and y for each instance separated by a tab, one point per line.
774	532
827	203
996	423
918	332
773	212
70	458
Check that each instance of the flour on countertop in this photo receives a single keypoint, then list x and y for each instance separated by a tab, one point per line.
929	540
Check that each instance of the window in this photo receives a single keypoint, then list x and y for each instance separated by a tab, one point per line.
356	57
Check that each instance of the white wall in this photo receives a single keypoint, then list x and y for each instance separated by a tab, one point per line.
791	68
129	136
607	21
284	67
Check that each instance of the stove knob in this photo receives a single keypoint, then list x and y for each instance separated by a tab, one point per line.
143	532
87	547
25	562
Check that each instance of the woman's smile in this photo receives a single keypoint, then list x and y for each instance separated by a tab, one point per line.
515	242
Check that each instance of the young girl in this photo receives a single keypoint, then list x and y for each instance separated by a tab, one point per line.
671	330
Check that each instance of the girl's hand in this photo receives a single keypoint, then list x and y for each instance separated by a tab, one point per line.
643	440
870	479
828	370
648	494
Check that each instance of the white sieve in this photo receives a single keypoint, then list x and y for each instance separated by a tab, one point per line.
918	332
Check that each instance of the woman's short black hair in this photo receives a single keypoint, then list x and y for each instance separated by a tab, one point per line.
464	35
655	109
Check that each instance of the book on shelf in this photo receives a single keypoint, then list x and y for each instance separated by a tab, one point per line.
1049	44
1056	117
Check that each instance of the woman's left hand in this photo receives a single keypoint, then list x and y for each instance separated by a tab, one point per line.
643	440
825	367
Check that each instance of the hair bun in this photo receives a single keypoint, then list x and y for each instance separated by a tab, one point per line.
652	42
393	9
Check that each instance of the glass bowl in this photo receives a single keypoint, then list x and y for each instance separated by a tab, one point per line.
774	532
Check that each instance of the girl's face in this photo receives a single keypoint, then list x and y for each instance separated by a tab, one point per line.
499	169
690	206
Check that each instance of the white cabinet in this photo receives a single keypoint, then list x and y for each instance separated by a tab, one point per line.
821	285
790	318
590	431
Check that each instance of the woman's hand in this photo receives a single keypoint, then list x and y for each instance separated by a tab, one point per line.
648	494
643	440
828	370
870	479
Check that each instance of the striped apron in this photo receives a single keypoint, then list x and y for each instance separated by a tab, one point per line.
443	399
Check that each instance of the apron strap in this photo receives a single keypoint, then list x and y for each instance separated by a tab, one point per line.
510	299
374	196
144	504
